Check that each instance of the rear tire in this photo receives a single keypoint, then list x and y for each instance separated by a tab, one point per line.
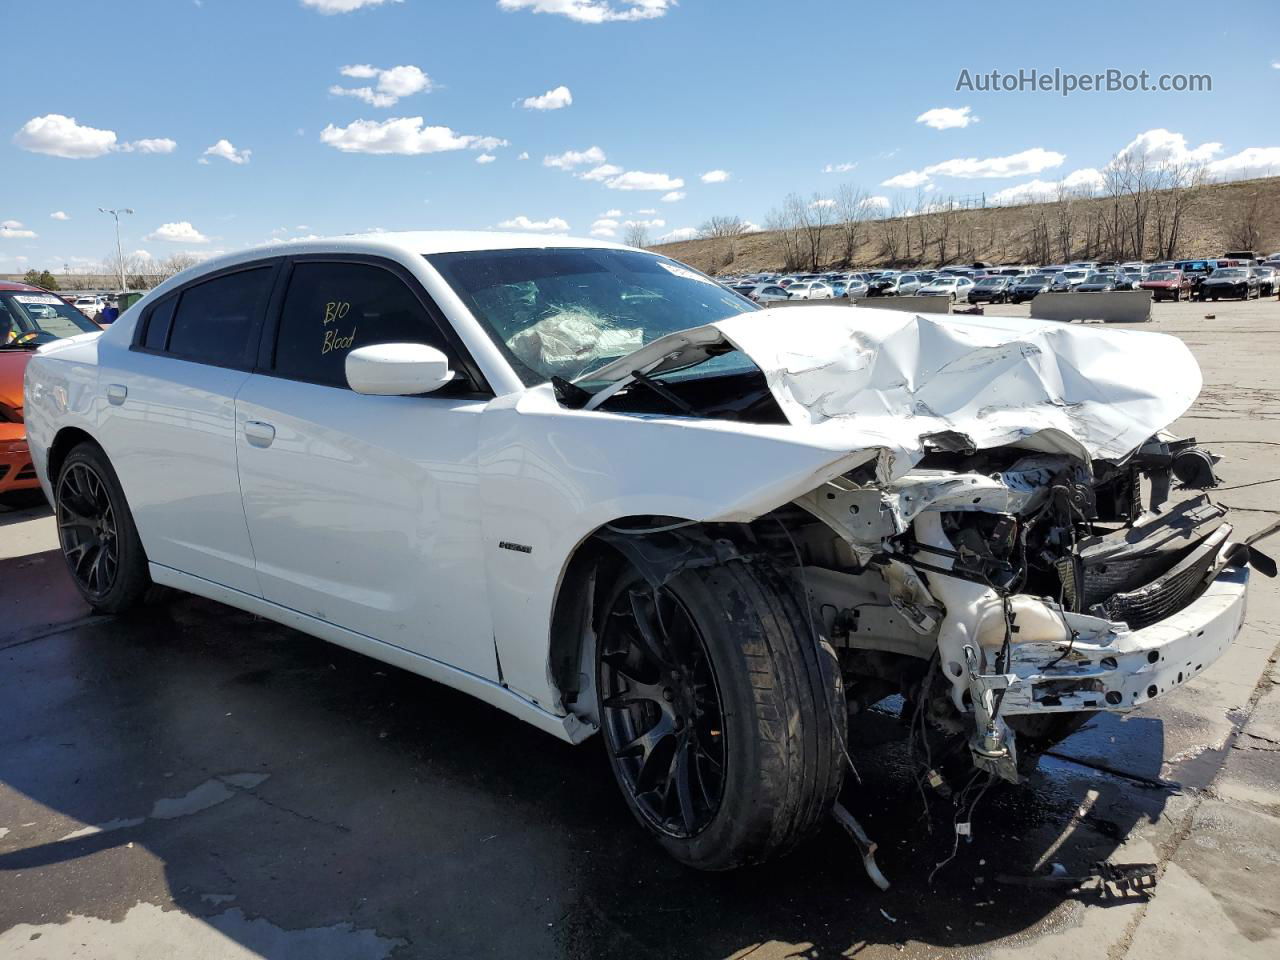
96	531
763	760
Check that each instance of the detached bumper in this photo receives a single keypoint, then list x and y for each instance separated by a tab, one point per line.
1111	667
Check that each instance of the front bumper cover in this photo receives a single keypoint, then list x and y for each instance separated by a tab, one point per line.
1110	667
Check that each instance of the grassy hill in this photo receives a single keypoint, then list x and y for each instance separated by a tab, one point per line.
1212	219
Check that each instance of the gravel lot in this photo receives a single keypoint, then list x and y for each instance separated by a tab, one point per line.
195	782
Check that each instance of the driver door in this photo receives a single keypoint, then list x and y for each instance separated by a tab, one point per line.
363	510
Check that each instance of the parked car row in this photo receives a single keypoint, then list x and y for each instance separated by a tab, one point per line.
1206	279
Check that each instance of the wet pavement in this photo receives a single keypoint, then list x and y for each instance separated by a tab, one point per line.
197	782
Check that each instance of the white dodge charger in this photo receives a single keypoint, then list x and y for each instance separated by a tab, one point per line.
596	489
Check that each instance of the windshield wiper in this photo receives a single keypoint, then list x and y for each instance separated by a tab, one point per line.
661	389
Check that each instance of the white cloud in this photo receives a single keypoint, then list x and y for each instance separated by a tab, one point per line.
971	168
1015	165
905	181
611	213
822	203
715	176
647	224
152	145
485	158
1161	146
647	213
401	135
876	203
1250	162
591	11
839	167
944	118
343	6
749	227
61	136
59	215
1085	180
575	158
675	196
393	83
556	99
606	226
639	180
602	172
227	151
180	232
524	223
524	155
1275	64
1032	191
680	233
13	230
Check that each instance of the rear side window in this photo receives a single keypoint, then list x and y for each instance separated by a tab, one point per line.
332	308
159	318
215	320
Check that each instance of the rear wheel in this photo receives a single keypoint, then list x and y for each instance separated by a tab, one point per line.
722	714
95	529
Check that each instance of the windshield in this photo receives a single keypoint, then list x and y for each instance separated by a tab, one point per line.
1163	275
1229	272
35	318
1036	280
564	311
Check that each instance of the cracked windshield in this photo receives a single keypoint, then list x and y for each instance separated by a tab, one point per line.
565	312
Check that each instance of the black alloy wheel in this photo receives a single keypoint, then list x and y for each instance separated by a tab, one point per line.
87	529
662	713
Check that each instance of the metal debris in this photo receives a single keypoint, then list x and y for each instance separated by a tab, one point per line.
1108	880
865	845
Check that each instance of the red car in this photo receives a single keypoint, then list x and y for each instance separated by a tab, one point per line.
1168	285
29	316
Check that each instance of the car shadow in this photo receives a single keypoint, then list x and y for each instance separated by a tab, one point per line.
312	786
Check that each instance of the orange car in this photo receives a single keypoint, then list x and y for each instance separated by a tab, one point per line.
29	316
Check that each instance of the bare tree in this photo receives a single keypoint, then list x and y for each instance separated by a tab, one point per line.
1177	190
814	218
636	234
785	224
719	227
1064	220
852	211
1245	229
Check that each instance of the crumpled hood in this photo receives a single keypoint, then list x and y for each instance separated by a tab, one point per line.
861	378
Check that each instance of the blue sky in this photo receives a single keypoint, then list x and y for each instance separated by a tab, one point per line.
216	120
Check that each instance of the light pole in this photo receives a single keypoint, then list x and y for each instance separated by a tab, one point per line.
115	214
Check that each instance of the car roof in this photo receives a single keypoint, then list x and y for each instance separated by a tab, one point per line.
414	242
22	287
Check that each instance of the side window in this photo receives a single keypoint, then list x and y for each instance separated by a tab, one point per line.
156	335
332	308
215	319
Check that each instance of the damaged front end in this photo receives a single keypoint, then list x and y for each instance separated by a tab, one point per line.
1006	595
1016	545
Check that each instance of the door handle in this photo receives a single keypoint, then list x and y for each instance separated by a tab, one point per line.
116	392
259	434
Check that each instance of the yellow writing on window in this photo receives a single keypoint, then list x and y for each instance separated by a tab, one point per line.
333	340
335	310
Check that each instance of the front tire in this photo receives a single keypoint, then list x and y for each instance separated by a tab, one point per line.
723	715
96	531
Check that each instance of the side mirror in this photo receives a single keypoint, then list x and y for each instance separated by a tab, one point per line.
397	369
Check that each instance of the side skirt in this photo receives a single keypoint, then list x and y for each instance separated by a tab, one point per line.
568	728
